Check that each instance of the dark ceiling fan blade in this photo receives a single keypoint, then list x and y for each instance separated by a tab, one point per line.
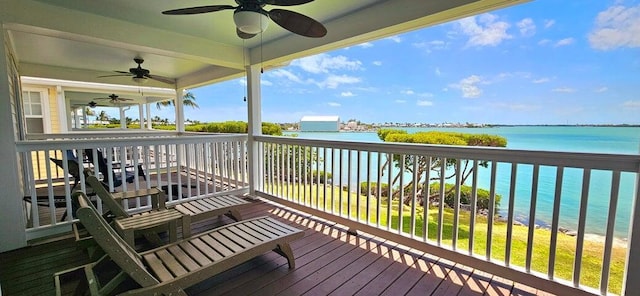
115	75
298	23
198	9
161	79
286	2
123	72
244	35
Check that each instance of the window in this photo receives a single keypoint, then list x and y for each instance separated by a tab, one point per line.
34	110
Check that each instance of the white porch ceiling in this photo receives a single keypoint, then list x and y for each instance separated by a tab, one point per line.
80	40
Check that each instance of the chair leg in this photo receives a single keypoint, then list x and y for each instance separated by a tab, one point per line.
285	251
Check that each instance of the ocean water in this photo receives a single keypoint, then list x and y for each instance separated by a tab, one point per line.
617	140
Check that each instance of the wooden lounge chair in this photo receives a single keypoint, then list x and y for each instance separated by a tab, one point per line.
171	268
191	211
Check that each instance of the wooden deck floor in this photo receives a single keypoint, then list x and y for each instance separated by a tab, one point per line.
329	261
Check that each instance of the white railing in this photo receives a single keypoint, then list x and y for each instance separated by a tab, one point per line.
515	193
185	166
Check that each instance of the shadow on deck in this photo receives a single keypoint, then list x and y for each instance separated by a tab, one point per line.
329	261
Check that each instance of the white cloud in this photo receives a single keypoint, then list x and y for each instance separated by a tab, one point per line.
426	95
549	23
399	101
266	82
484	30
334	104
564	42
540	80
333	81
527	27
564	90
544	42
424	103
286	74
631	104
431	45
347	94
377	63
618	26
323	63
469	87
366	45
437	72
602	89
394	38
407	92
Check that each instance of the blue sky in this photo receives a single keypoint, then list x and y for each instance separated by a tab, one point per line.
544	62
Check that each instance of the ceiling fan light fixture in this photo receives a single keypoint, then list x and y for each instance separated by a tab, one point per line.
250	22
139	80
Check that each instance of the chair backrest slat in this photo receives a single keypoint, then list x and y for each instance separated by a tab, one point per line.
106	197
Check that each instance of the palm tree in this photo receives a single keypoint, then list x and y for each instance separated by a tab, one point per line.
102	117
188	99
88	111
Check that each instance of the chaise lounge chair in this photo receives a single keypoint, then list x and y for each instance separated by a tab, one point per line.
191	211
170	269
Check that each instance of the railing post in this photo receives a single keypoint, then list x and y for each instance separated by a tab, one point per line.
632	268
254	105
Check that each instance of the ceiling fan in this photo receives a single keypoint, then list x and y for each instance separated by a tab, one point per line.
113	99
140	75
250	17
91	104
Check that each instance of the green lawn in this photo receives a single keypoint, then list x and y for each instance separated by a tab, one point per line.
565	250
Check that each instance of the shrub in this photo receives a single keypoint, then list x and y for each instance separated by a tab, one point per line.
384	189
482	200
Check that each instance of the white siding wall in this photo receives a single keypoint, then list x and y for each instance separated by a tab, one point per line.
12	223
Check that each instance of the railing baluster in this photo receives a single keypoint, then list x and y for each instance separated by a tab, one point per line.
426	192
216	175
582	218
609	236
299	176
168	171
317	162
443	163
474	205
456	206
324	179
52	204
389	188
511	213
358	171
205	166
401	196
35	214
555	222
378	189
349	166
243	162
368	195
492	201
532	215
340	184
414	189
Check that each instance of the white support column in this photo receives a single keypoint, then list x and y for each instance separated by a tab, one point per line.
179	111
63	110
12	219
141	116
149	126
254	109
123	119
85	118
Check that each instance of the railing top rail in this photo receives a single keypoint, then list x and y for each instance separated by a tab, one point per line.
102	134
603	161
33	145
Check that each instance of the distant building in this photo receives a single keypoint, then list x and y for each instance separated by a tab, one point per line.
320	124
